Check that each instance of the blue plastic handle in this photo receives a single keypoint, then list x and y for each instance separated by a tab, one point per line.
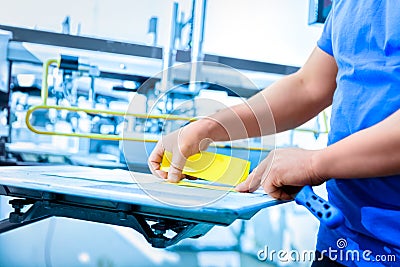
319	207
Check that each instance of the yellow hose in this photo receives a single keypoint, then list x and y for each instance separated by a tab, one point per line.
45	86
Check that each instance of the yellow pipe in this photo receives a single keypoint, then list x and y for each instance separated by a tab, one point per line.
96	111
309	131
45	94
108	112
45	86
109	136
325	117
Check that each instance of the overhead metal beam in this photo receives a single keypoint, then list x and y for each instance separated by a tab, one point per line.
80	42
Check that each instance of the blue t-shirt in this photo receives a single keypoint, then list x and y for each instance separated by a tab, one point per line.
364	38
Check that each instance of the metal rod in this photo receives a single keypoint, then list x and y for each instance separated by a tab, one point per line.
197	40
169	51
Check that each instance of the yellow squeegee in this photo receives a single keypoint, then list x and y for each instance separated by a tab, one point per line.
212	167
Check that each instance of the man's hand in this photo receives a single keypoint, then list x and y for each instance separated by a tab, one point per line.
283	173
182	143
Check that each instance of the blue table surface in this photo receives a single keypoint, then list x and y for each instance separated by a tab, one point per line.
150	194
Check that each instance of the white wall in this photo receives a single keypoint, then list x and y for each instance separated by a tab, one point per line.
265	30
125	20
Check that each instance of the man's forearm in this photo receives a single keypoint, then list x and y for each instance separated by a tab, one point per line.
372	152
284	105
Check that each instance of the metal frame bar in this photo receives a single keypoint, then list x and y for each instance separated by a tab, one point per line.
80	42
242	64
49	206
251	65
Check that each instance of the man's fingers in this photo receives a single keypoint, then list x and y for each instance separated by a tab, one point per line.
154	160
251	184
174	174
161	174
279	192
177	164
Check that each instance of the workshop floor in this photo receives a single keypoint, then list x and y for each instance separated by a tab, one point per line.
66	242
220	259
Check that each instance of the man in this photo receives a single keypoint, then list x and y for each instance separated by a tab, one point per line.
356	68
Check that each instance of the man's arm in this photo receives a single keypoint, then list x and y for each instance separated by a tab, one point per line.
284	105
372	152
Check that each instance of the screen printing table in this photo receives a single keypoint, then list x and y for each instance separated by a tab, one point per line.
163	213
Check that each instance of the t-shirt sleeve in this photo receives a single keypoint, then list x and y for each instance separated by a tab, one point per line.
325	41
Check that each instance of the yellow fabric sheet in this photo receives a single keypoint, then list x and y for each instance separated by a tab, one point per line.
215	168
